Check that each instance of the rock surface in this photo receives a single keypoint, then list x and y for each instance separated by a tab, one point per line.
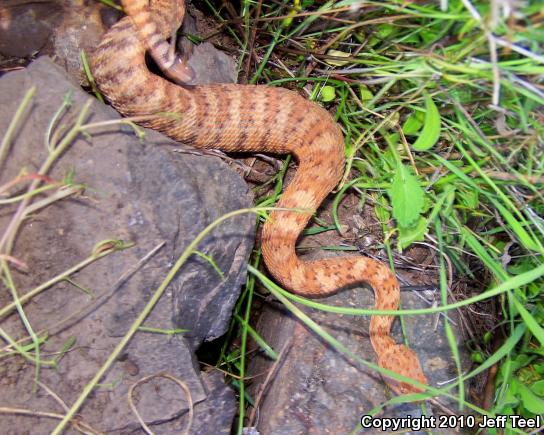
27	25
139	192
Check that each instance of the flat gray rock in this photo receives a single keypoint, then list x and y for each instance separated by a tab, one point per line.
143	193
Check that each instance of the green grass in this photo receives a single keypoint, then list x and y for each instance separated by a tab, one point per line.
442	111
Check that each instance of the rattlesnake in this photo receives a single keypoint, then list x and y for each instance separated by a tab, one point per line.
245	118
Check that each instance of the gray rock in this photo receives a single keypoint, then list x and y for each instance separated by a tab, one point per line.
26	25
139	192
212	66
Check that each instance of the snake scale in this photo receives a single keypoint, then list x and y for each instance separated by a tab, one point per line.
250	118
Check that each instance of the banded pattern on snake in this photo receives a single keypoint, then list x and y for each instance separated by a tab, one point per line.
250	118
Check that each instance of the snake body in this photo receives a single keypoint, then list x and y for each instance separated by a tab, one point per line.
250	118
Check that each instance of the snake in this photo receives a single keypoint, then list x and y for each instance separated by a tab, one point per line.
250	118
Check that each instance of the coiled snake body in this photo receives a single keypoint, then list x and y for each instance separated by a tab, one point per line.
250	118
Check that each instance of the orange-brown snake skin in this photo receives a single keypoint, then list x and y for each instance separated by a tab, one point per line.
234	117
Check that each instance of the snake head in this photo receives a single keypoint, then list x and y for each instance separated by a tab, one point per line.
402	360
180	72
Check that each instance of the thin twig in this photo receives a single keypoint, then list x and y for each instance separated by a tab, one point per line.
180	383
77	423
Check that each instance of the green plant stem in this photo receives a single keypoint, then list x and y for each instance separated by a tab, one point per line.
35	341
6	242
503	287
243	347
37	290
4	145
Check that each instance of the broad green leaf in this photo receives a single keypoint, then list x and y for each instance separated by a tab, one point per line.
413	123
365	94
530	401
538	388
406	197
431	127
415	233
328	93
